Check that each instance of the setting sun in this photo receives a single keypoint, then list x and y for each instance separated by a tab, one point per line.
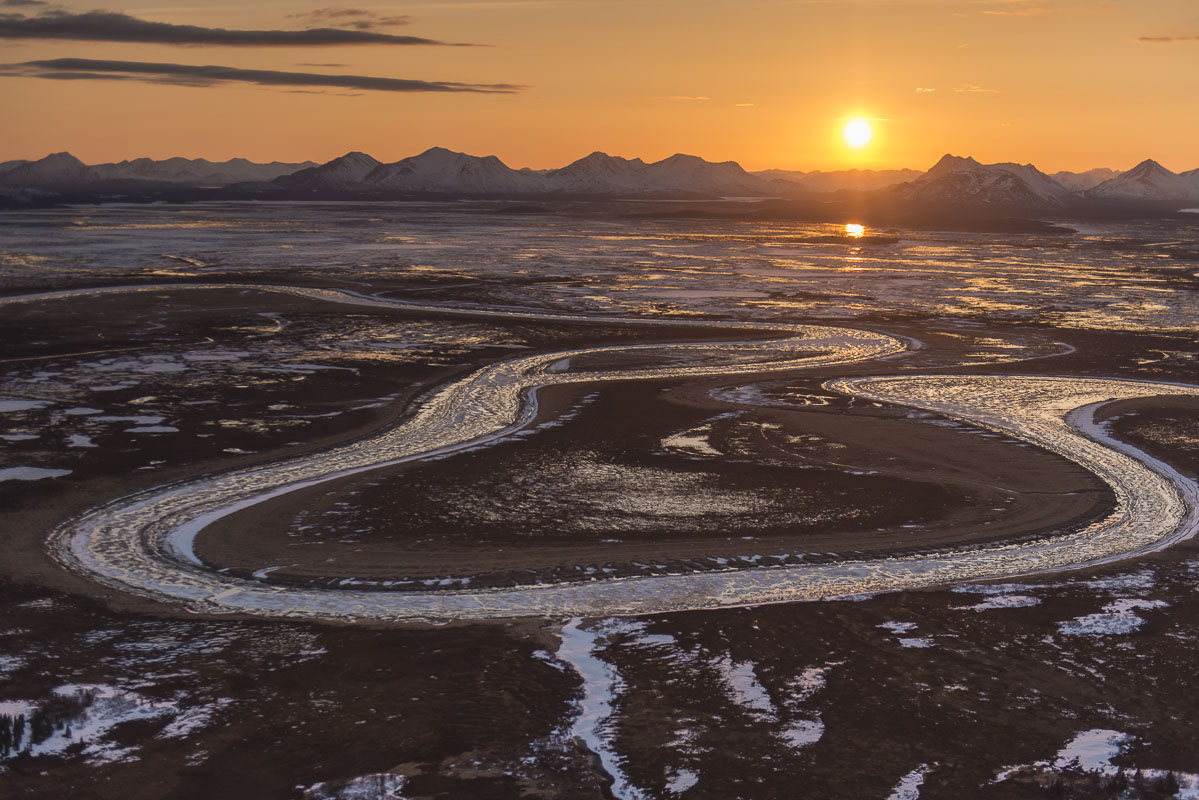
857	133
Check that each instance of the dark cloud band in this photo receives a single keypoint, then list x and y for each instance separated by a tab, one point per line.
356	18
108	26
189	75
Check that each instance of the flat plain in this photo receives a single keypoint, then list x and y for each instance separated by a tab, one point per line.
735	460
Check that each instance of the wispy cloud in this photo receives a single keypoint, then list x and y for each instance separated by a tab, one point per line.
970	88
110	26
360	19
924	90
1167	39
1031	11
694	98
74	69
22	3
1019	8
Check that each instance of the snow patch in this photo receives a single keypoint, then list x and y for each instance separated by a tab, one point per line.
909	785
681	781
30	473
1117	618
379	786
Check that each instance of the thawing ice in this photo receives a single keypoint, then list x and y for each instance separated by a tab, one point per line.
898	627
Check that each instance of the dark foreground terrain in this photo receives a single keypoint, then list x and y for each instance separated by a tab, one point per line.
1067	685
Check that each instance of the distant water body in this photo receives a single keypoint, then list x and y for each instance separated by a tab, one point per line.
1119	276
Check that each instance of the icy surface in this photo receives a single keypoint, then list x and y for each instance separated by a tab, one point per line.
909	785
1002	601
601	684
143	544
12	406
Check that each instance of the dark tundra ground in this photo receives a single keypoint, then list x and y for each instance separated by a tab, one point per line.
1076	684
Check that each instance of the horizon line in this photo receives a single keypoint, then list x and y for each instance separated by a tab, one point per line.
541	169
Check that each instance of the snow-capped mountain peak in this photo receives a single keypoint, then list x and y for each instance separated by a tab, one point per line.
963	183
1148	182
950	164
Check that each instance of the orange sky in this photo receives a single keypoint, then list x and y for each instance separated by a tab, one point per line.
762	82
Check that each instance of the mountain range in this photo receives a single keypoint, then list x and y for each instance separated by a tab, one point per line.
445	172
954	185
62	171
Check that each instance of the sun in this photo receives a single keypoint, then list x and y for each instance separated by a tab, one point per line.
857	133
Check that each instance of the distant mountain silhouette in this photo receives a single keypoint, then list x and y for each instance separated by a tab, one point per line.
343	172
196	171
956	187
440	171
57	171
65	173
1081	181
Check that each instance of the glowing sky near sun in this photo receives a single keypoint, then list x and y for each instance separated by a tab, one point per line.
762	82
